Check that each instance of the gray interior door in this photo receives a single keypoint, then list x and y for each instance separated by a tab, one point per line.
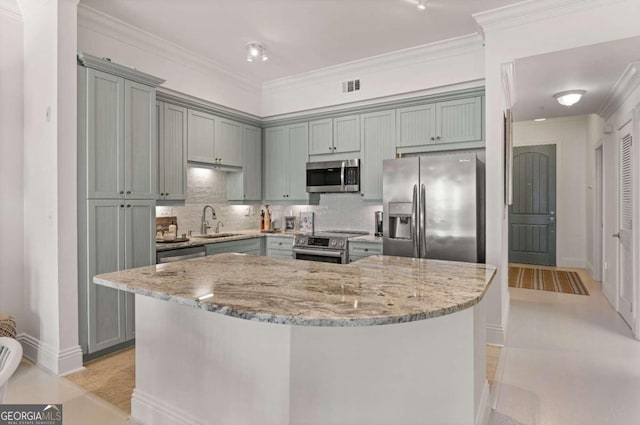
532	217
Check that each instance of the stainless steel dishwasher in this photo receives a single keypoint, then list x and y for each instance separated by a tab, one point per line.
179	254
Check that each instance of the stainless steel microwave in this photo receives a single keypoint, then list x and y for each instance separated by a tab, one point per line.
333	176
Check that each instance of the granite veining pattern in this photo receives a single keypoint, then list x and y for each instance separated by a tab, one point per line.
196	241
376	290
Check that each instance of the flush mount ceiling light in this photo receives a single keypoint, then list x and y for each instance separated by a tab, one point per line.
569	98
256	52
422	4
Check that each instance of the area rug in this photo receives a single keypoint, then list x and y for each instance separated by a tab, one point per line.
546	280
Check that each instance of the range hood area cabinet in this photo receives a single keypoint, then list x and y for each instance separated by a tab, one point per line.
246	185
214	140
117	188
334	135
172	152
286	152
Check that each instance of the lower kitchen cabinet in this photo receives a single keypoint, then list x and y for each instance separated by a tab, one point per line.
360	250
378	143
119	235
243	246
280	246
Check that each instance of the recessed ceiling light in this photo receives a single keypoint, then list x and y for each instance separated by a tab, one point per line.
422	4
569	98
540	119
256	50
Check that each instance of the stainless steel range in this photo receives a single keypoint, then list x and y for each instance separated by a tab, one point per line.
327	247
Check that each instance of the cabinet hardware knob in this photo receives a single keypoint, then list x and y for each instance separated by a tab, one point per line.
128	206
166	194
121	206
128	192
433	138
438	138
122	192
330	148
366	250
162	194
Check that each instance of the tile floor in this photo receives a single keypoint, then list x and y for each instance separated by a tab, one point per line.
569	359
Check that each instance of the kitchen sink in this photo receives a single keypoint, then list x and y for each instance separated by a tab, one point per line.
216	235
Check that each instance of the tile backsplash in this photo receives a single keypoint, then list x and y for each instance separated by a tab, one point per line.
209	187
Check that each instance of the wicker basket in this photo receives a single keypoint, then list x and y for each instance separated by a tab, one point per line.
7	326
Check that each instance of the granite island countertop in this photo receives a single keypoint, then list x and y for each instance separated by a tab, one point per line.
377	290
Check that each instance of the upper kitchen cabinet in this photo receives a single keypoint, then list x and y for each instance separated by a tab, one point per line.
214	140
454	121
118	136
286	156
172	152
247	184
378	143
334	135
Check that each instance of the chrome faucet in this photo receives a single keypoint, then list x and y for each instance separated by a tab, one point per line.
205	224
219	224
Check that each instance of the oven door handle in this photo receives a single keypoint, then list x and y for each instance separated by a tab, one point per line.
321	252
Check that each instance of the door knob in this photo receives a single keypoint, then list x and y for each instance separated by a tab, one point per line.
616	235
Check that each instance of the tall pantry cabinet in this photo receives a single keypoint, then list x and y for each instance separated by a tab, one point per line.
117	188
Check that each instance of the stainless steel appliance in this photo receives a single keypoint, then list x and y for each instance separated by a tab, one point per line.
179	254
333	176
379	225
434	207
327	247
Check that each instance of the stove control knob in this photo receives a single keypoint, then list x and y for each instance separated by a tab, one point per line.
341	243
333	242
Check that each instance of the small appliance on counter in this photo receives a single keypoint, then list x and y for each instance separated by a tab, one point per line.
379	223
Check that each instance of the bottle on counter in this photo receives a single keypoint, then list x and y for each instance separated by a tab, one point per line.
261	219
267	218
173	228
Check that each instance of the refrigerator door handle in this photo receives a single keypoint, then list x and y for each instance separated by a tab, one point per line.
423	223
414	220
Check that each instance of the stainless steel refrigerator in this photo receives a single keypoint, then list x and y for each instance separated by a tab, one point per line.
434	207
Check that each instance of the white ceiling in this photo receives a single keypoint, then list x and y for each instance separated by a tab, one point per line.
594	68
300	35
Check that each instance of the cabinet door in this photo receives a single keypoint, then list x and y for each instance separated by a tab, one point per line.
276	157
459	120
229	142
201	137
415	125
173	166
297	162
160	141
346	134
105	135
140	142
106	253
321	137
378	144
139	249
252	167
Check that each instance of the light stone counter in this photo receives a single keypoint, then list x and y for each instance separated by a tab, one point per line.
377	290
367	238
196	241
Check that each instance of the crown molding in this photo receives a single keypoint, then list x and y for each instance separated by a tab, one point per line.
393	60
628	82
106	65
10	9
94	20
531	11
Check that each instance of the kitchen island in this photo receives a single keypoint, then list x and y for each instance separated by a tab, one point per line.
242	339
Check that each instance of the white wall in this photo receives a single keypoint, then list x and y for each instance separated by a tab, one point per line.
527	29
185	72
595	127
421	68
570	135
50	218
11	244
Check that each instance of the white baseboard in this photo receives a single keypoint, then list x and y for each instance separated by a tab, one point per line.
147	409
484	408
574	263
61	362
497	378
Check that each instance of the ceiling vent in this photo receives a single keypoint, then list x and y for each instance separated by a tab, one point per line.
351	86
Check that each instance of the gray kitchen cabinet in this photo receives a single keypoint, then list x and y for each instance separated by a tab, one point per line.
454	121
360	249
214	140
378	143
121	157
279	246
246	185
172	152
334	135
243	246
286	155
119	237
